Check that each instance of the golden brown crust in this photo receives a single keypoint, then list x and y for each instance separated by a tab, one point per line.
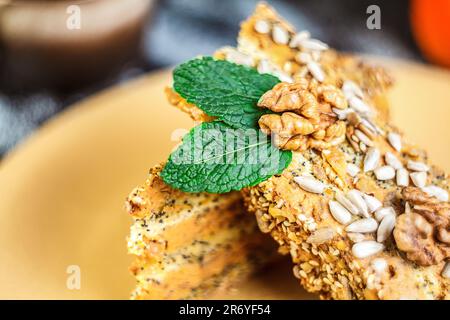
321	249
177	101
175	234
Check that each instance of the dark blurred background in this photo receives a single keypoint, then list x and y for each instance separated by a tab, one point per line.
43	73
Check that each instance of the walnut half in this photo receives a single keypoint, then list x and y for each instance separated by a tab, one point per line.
306	110
423	233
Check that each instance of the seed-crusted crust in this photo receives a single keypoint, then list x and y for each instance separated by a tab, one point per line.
301	221
294	218
325	256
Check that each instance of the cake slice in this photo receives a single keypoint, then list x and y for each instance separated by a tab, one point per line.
367	217
189	245
362	211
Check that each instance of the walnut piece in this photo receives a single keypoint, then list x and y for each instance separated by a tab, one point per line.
414	235
435	211
423	233
288	97
302	97
306	110
296	143
443	235
287	124
333	96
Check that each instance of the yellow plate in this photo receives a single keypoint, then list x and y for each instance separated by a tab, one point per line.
63	189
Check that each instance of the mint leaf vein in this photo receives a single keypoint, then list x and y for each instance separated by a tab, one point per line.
224	90
235	164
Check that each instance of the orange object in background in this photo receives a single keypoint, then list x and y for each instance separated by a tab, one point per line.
430	21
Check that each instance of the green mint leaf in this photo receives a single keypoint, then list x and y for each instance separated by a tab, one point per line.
216	158
224	90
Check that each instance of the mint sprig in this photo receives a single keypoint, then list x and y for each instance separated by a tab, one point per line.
230	153
224	90
216	158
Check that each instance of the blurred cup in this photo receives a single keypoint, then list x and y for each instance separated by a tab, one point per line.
64	44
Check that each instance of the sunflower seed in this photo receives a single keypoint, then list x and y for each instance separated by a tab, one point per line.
358	105
365	139
417	166
321	235
446	270
437	192
351	89
339	212
393	161
402	177
266	66
369	126
372	125
303	57
316	71
362	146
383	212
379	265
371	159
385	173
288	67
239	58
342	114
298	38
316	55
310	184
343	200
366	225
419	179
386	226
284	77
352	169
366	249
371	134
356	237
313	45
355	197
372	203
395	140
280	35
262	26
